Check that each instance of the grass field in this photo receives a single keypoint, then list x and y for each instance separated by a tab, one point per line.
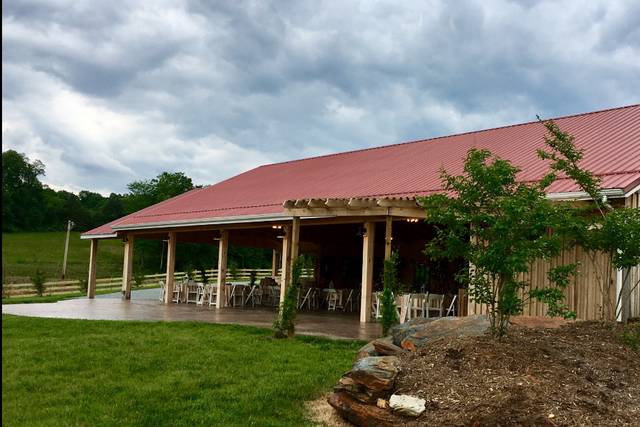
78	372
23	253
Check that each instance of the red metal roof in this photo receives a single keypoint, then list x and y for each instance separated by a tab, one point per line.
609	138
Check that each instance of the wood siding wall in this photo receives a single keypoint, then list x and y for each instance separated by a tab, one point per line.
584	295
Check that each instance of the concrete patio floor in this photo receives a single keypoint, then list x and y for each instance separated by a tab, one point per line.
335	325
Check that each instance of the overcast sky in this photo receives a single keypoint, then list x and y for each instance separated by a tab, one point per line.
107	92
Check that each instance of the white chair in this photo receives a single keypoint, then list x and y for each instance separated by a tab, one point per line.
163	289
192	292
213	295
334	300
417	306
177	293
349	301
255	296
236	297
435	303
452	306
402	304
375	305
201	293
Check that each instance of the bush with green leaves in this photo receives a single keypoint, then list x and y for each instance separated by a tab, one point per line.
500	226
284	325
138	279
233	271
388	309
38	281
83	285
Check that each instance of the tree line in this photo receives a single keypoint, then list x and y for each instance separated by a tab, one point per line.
30	205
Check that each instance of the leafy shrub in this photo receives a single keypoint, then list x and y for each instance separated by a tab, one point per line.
631	335
38	282
203	275
253	275
284	325
83	285
233	271
387	300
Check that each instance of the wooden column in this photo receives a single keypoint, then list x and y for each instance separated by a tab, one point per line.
295	238
91	280
223	247
274	263
285	269
388	237
171	266
367	271
127	267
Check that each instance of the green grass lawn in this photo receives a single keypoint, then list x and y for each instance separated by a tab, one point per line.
77	372
24	253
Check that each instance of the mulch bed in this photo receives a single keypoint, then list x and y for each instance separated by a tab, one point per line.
578	374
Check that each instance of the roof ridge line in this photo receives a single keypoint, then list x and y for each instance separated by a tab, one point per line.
446	136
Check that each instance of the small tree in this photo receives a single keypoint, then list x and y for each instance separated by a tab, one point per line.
203	275
284	325
387	300
615	233
500	226
38	280
233	271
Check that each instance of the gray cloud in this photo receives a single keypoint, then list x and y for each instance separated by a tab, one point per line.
109	92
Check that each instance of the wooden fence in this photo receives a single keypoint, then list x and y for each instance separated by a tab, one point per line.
115	283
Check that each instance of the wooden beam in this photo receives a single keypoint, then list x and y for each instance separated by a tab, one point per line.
295	238
367	271
274	263
171	267
127	267
285	270
91	280
223	247
388	237
405	212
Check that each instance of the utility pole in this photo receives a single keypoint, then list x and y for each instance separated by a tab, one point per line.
70	225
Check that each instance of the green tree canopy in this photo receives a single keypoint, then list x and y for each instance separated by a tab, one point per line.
22	207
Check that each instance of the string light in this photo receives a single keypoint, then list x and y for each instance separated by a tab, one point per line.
412	220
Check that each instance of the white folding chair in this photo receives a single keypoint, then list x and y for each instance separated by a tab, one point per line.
417	305
435	303
402	304
192	292
163	289
452	306
213	295
335	300
349	301
177	293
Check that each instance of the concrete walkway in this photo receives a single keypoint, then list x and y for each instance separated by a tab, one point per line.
320	323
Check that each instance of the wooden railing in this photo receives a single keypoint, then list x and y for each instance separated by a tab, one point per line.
115	283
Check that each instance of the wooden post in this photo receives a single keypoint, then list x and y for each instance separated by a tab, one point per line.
285	270
127	267
66	249
367	271
223	246
274	263
295	238
171	267
91	280
388	237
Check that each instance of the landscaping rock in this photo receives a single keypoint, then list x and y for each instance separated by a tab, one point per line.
403	330
360	413
386	347
358	391
467	326
377	373
367	350
407	405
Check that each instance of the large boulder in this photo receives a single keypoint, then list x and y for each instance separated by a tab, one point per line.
424	333
401	331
